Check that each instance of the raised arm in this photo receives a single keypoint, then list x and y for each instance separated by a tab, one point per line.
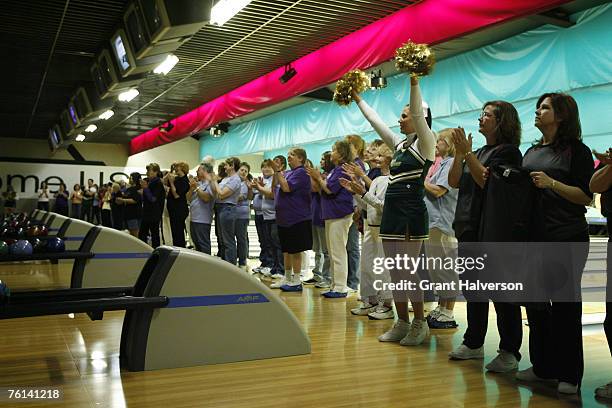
387	135
426	141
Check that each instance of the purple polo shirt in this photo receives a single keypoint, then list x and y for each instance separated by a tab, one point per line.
339	203
315	207
294	206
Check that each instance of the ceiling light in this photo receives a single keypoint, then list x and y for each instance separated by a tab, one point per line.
128	95
80	137
91	128
377	81
165	127
106	115
225	10
290	72
165	67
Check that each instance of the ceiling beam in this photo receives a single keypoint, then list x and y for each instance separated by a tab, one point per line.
556	17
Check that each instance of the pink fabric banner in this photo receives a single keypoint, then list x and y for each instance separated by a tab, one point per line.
431	21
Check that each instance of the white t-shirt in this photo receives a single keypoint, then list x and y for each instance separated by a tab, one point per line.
43	195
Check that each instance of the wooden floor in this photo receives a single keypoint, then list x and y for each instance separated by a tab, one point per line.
348	367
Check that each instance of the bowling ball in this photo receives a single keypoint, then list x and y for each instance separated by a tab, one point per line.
20	232
43	230
56	245
33	231
4	249
14	224
37	244
4	231
21	247
5	293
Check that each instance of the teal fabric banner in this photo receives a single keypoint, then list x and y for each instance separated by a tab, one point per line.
576	60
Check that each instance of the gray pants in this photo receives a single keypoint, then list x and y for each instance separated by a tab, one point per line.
319	246
200	236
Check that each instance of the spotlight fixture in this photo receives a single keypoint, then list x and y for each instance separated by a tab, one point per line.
165	127
106	115
224	10
290	72
80	137
91	128
377	81
128	95
219	130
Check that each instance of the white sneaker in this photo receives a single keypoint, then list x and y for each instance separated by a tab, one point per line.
398	331
528	375
265	271
503	363
429	307
257	269
381	312
364	309
323	285
278	283
567	388
605	391
434	313
417	333
463	352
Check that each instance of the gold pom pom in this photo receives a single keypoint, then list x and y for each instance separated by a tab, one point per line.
356	80
416	59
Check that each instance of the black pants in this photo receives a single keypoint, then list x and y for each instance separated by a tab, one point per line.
509	322
151	226
220	246
177	227
43	205
95	211
555	328
608	321
61	210
86	208
106	218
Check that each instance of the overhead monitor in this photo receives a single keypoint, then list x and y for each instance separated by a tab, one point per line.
55	137
66	122
82	104
124	56
109	78
171	19
136	30
101	88
73	114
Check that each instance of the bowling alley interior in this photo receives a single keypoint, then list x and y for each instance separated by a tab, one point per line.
264	203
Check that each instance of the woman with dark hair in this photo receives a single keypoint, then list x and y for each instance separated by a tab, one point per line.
61	200
243	215
176	202
43	197
76	200
226	196
132	204
153	200
499	123
561	167
404	223
337	211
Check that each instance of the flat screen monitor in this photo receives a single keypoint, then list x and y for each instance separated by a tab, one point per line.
168	19
66	122
136	31
55	137
123	52
96	75
83	104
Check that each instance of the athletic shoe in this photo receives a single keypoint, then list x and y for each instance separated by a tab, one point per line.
310	281
433	314
463	352
265	271
397	332
364	309
605	391
503	363
291	288
332	294
278	283
277	276
416	334
528	375
257	269
567	388
442	320
323	285
382	312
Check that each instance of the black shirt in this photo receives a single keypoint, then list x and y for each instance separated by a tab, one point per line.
178	206
606	199
572	166
132	211
469	200
153	199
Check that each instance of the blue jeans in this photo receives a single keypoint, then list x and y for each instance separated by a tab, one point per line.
242	240
278	261
352	249
200	235
227	228
321	269
265	255
75	211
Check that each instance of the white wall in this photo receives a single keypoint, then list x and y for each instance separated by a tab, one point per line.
186	150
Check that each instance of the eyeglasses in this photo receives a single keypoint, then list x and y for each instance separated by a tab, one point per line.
484	114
